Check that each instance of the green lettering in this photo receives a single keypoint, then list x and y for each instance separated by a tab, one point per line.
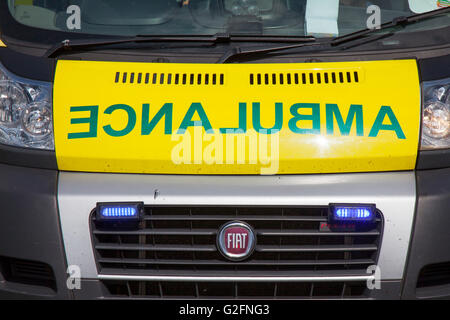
130	124
314	117
92	120
166	112
188	122
378	124
333	112
257	118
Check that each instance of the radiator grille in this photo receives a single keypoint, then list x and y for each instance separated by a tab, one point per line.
181	241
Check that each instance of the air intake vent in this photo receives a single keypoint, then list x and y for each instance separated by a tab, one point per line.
170	78
305	78
230	290
434	275
27	272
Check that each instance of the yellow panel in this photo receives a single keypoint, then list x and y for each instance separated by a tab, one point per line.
2	44
381	133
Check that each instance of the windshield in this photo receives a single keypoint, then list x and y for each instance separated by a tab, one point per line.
319	18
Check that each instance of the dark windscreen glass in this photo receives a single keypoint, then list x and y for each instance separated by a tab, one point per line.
321	18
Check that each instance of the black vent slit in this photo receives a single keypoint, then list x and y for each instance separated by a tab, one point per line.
27	272
434	275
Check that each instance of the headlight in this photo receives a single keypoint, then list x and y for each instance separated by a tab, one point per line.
25	112
436	115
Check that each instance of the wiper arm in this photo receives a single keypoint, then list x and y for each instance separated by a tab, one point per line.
237	52
80	45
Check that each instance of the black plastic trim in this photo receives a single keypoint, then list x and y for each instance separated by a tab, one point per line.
28	66
27	157
435	68
30	227
431	237
433	159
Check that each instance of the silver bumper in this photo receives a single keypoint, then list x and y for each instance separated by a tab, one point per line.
393	193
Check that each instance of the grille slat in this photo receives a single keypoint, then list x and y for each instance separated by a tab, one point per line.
148	247
181	241
178	232
252	263
229	217
318	248
314	233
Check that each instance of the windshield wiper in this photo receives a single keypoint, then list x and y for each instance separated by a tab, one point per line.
398	21
237	52
82	45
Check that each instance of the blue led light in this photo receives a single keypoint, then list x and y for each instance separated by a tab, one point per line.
353	213
119	211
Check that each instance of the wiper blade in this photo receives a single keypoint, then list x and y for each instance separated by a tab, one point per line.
238	51
398	21
311	42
